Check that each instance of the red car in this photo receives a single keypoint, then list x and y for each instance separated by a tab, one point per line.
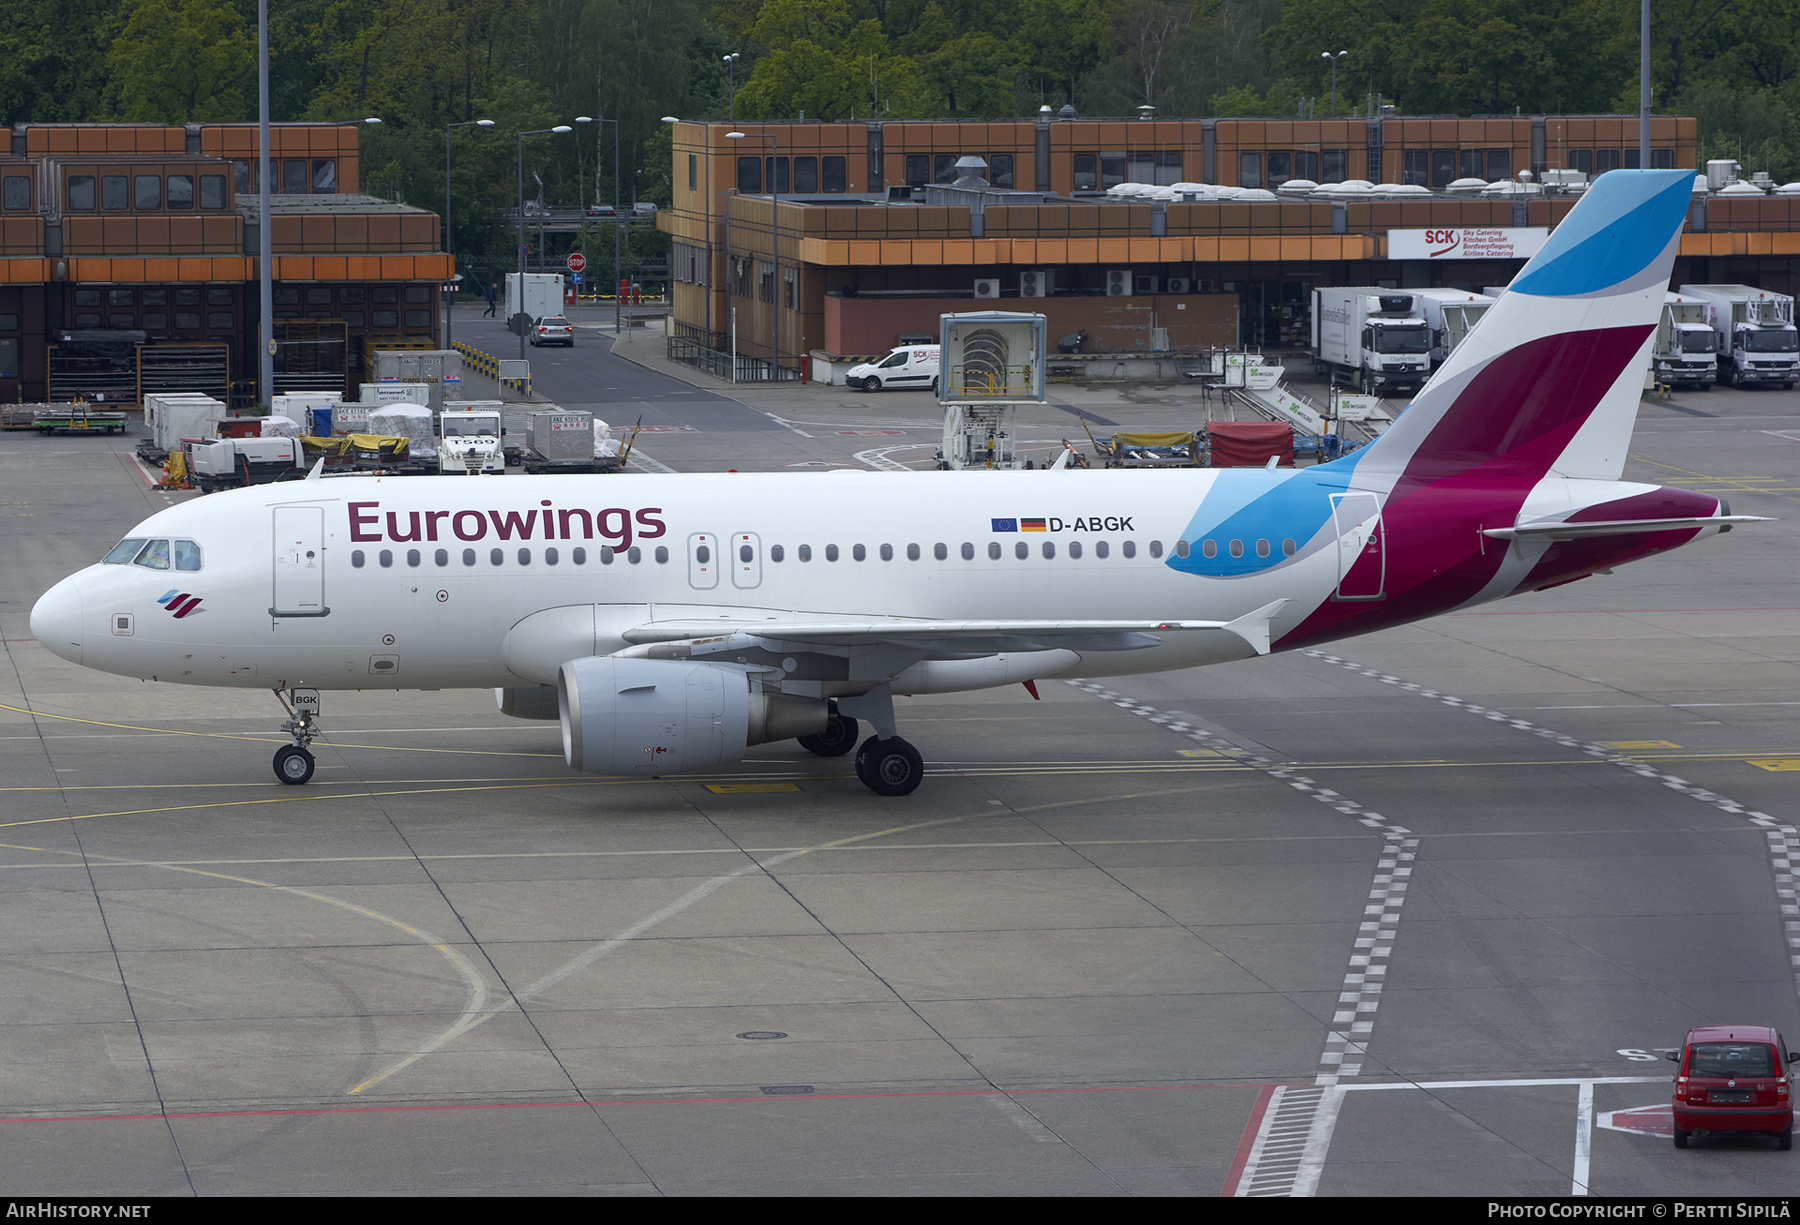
1734	1078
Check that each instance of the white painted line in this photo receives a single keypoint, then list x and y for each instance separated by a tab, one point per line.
1027	1122
1509	1084
655	465
878	458
1584	1137
1318	1142
784	424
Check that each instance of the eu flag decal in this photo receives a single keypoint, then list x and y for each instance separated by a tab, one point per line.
1006	525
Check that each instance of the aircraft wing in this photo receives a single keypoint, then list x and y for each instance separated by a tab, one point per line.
960	637
1558	529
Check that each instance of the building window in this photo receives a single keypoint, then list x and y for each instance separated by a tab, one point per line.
187	321
1443	168
1000	169
1660	159
1281	164
777	174
122	319
384	295
318	295
1416	168
218	296
918	169
1582	160
212	191
355	319
324	175
119	297
146	192
17	193
943	167
418	319
765	281
749	176
114	191
293	178
1605	159
1249	170
181	191
218	319
191	297
1499	164
1086	171
832	173
1306	165
243	177
693	172
418	295
790	291
1332	165
353	295
155	320
806	174
387	319
81	192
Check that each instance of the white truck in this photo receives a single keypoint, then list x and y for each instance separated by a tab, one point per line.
1753	332
233	463
1374	339
543	295
469	442
1684	354
1450	313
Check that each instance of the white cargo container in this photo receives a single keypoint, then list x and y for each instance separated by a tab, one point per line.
543	294
1374	339
1684	353
173	416
1450	314
1753	332
440	370
562	438
396	393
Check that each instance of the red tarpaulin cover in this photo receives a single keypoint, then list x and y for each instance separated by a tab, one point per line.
1248	444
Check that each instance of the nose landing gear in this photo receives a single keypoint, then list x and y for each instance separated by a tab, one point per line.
294	762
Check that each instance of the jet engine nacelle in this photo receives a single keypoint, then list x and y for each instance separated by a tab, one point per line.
669	716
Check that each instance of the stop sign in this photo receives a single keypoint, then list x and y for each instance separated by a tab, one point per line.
577	261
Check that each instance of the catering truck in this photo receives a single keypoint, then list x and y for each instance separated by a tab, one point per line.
469	440
1450	313
1753	332
1684	354
1375	339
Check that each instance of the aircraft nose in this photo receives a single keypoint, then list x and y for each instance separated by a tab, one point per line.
56	620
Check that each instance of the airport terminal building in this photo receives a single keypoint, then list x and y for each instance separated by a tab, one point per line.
128	258
847	238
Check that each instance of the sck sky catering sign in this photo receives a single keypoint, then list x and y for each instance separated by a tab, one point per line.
1495	243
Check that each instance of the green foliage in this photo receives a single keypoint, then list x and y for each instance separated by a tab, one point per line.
182	61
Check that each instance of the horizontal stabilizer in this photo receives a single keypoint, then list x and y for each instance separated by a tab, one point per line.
1561	530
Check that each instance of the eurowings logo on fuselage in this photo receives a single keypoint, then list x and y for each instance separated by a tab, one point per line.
179	602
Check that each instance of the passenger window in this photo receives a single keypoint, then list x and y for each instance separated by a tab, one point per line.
634	555
1289	548
123	552
993	550
662	555
607	553
746	553
831	552
1237	548
1156	548
468	557
578	556
1049	549
441	557
1100	548
496	557
1262	548
804	553
1075	549
385	557
1209	548
357	559
858	552
702	554
968	551
1129	548
939	551
1021	550
1181	548
775	552
887	552
412	557
549	557
524	557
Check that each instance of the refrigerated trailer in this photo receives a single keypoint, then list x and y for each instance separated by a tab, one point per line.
1374	339
1753	332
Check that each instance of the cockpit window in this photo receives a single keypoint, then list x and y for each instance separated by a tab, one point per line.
187	555
123	552
155	555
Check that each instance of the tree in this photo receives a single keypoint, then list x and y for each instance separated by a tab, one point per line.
181	61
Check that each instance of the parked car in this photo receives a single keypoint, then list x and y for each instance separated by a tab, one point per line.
912	366
1734	1078
552	330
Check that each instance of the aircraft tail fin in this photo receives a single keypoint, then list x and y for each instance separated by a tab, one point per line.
1548	382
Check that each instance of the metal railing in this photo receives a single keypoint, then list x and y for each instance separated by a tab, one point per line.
719	364
989	383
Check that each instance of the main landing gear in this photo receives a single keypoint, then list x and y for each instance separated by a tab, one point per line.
886	764
294	762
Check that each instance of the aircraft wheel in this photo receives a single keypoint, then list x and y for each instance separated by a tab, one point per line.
889	767
838	738
293	765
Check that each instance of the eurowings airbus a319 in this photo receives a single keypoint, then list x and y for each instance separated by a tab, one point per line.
670	622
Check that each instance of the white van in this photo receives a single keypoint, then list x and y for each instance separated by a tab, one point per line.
912	366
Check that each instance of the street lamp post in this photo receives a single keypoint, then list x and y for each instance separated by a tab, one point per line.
559	128
618	316
731	84
1326	55
774	243
449	247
